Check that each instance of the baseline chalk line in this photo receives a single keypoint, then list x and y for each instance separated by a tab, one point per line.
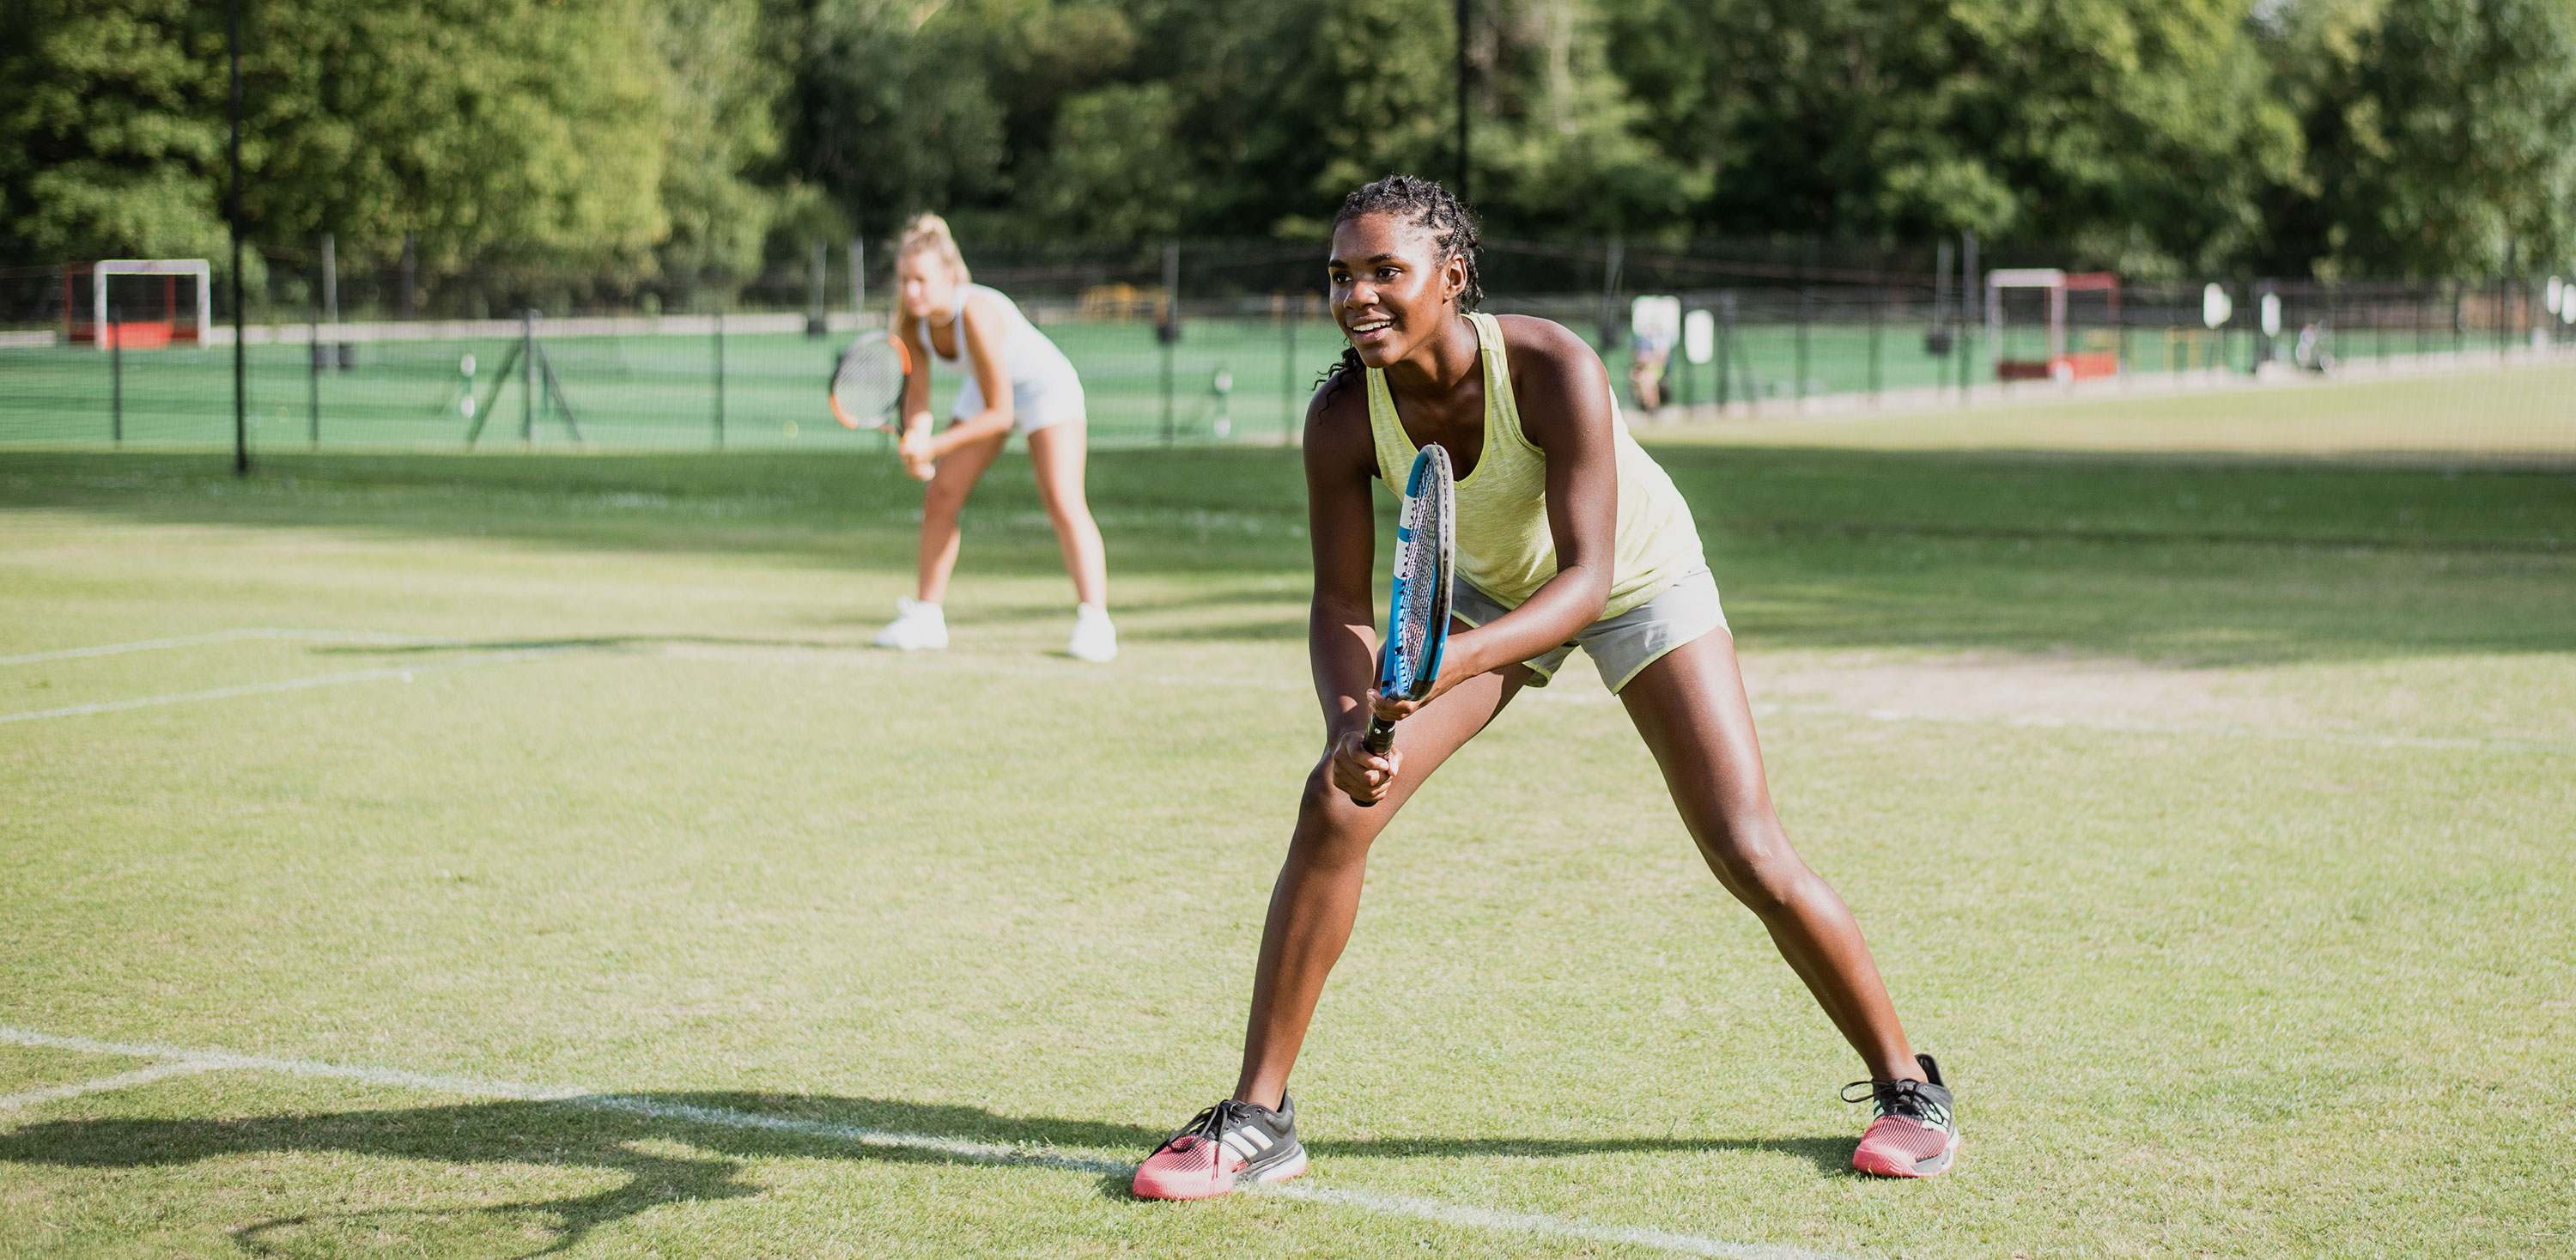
219	636
122	1080
177	1059
875	658
403	672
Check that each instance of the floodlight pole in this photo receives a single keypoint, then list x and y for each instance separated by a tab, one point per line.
241	374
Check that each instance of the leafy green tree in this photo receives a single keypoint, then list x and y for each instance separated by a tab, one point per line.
893	117
722	187
487	128
2441	134
1561	142
109	126
2140	133
563	131
1114	171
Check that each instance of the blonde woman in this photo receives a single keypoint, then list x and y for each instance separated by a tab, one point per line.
1017	381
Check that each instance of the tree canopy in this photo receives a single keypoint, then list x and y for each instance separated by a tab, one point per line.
678	136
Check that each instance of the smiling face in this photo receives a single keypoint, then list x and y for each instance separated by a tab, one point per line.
1391	290
927	283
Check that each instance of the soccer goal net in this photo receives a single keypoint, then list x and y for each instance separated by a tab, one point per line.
137	303
2047	324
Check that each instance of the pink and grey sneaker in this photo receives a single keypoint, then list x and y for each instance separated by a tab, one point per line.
1912	1132
1228	1145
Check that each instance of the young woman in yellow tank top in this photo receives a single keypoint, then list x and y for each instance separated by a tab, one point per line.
1568	533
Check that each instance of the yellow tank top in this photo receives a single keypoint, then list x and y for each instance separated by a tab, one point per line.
1504	546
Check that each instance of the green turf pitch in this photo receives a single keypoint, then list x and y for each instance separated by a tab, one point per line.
2210	819
658	391
636	392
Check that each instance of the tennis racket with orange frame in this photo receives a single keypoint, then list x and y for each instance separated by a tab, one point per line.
867	384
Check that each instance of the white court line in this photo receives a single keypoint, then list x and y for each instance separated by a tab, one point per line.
1435	1210
875	658
880	659
122	1080
403	672
220	636
2362	739
1533	1223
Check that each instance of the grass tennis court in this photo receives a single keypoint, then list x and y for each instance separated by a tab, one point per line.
2209	816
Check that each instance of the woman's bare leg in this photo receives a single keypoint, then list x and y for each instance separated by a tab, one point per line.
941	501
1318	894
1059	453
1690	707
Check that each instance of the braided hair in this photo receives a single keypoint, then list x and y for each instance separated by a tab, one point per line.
1424	203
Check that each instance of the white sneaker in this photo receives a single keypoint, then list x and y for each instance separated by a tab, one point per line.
1094	639
916	626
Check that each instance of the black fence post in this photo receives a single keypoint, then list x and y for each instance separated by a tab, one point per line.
1804	295
313	378
527	378
1967	341
115	373
1288	368
1170	332
1725	349
719	380
1875	300
817	318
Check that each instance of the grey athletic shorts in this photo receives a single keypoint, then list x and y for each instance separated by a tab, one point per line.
1621	646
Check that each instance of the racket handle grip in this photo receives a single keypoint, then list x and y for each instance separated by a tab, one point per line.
1380	737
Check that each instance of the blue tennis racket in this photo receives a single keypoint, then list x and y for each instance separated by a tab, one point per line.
1417	623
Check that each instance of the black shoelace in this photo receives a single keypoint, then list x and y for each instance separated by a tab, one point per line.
1210	1125
1899	1098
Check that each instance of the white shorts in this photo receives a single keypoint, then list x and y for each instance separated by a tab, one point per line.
1621	647
1034	405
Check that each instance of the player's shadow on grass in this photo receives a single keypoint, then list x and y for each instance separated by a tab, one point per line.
661	1148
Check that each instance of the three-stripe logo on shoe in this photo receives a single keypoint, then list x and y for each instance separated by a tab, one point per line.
1247	1142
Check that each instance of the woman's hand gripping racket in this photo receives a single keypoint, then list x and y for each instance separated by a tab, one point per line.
1417	626
868	384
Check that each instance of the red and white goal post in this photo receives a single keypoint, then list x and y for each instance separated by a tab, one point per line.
2076	345
159	318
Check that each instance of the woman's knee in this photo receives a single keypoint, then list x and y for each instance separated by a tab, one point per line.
1753	858
1322	832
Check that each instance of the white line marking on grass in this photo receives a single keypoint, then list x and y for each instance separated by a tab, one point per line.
1534	1223
122	1080
220	636
208	1060
2360	738
881	659
403	672
178	1058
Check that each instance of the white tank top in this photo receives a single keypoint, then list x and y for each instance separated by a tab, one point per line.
1028	358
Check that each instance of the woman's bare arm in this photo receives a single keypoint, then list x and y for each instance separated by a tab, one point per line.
1341	516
